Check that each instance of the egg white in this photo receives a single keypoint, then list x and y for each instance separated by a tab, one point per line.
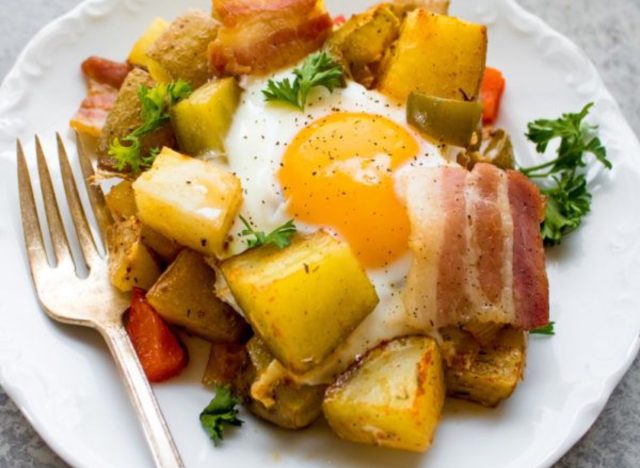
255	145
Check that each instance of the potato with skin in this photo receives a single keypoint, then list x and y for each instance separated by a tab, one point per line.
303	300
191	201
131	264
436	55
201	121
181	51
125	117
491	373
184	296
282	402
392	398
362	41
226	361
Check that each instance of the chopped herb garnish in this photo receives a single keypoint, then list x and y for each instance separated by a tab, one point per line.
563	179
548	329
220	412
280	237
156	103
319	69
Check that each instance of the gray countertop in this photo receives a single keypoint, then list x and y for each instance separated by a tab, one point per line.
609	31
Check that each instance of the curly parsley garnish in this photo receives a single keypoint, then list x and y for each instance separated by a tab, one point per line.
319	69
156	102
564	180
548	329
220	412
280	237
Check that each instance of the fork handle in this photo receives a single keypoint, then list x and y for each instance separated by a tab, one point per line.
163	448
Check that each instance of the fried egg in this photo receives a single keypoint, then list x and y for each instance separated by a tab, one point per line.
336	166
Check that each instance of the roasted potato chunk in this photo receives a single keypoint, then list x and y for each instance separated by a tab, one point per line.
436	55
184	296
121	201
130	262
269	394
122	205
202	120
191	201
164	247
304	300
402	7
226	361
138	55
487	374
125	118
393	397
181	51
362	41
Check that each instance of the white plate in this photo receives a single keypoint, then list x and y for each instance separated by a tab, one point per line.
63	379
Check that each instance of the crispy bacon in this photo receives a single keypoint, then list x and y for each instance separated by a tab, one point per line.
105	71
260	36
478	253
104	78
94	109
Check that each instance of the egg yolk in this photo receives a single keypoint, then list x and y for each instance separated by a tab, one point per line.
338	173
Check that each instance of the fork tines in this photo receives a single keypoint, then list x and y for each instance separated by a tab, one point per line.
59	240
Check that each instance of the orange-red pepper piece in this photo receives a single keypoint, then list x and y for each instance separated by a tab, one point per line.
160	352
493	84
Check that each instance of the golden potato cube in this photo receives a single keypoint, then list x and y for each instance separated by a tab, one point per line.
278	399
121	201
191	201
138	55
130	262
181	50
437	55
492	374
392	398
201	121
304	300
184	296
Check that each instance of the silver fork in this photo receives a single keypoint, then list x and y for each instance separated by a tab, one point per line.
91	301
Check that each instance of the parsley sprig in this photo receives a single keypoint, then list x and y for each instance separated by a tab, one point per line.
280	237
156	103
563	179
548	329
220	412
319	69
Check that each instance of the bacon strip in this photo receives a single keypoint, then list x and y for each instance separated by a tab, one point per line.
531	293
104	78
105	71
94	109
257	37
478	254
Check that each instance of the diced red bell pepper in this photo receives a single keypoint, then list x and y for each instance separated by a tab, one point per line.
493	84
160	352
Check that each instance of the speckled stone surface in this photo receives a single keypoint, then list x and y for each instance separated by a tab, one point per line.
609	31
